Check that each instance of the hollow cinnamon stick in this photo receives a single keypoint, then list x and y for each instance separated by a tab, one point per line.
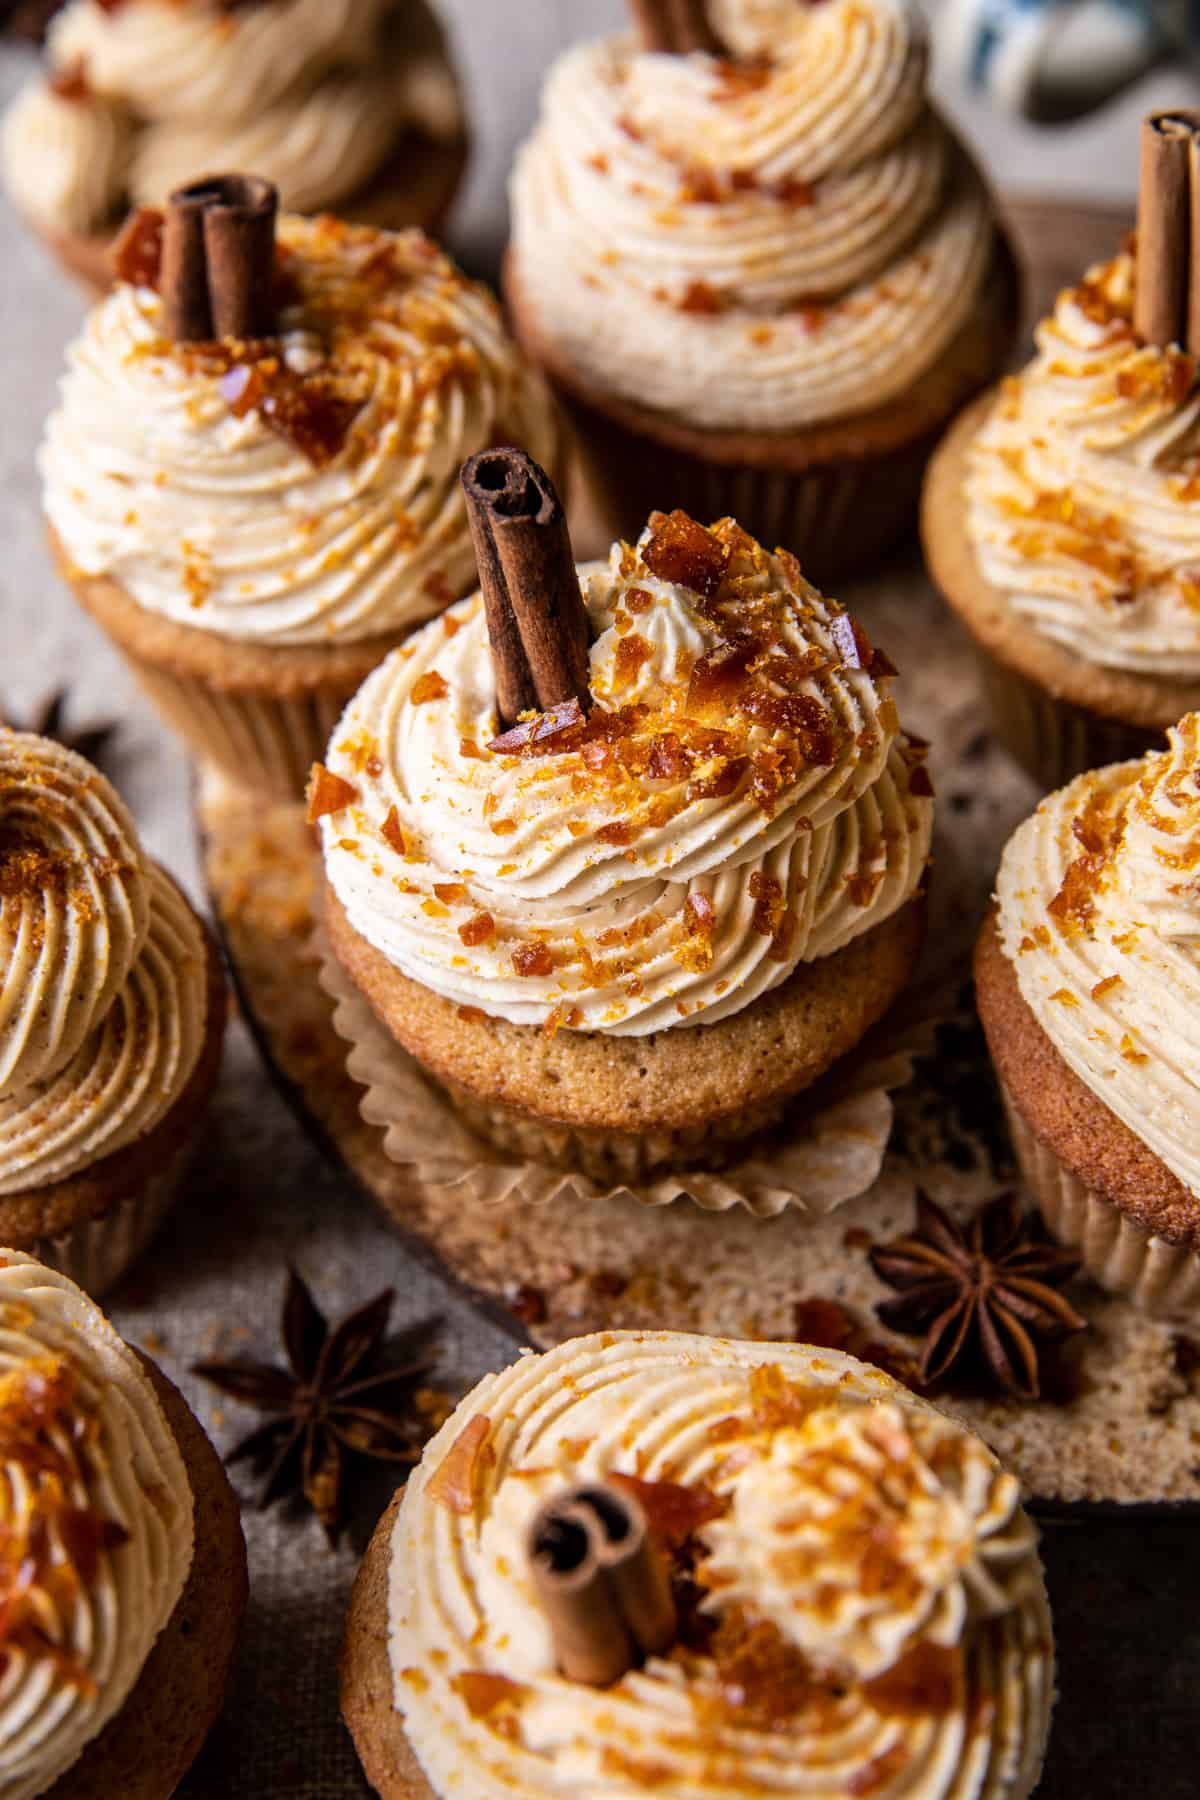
676	26
1164	235
604	1587
592	1643
218	261
537	620
183	273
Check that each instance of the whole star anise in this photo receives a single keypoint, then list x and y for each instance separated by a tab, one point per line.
48	720
989	1286
329	1404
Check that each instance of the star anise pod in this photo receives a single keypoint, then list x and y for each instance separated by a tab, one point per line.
332	1403
988	1287
49	720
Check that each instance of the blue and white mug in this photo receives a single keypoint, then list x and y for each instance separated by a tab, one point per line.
1054	60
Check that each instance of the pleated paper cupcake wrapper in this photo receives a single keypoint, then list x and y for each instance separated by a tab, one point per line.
835	516
95	1253
830	1156
257	740
1052	739
1121	1256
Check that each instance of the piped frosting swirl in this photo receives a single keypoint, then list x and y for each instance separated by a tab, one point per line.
740	800
308	493
103	971
314	95
95	1524
1082	486
764	244
1099	898
870	1614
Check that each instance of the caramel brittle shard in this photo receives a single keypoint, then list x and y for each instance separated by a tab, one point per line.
327	793
683	551
453	1482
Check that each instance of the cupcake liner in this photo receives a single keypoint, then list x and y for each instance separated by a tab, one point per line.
830	1154
258	740
95	1253
834	516
1121	1256
1052	739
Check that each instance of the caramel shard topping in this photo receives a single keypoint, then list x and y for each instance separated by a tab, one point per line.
451	893
480	929
698	297
675	1511
392	832
454	1481
71	82
327	793
482	1692
430	686
927	1679
533	960
766	1681
312	412
1096	830
539	728
684	552
137	253
777	1403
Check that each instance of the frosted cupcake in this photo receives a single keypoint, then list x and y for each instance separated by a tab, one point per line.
764	276
124	1571
347	105
1090	997
625	933
858	1606
112	1014
255	516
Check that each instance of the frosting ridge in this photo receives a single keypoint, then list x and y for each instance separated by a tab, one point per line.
741	798
103	971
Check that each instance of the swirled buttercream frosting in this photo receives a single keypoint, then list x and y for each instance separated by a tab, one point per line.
761	244
1082	486
303	490
103	971
314	95
1099	911
739	800
95	1524
865	1609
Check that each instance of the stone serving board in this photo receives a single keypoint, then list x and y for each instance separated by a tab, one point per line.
1121	1423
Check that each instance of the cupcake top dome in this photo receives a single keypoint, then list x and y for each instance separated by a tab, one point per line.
1099	912
739	799
104	982
864	1605
96	1509
303	488
767	240
1082	484
138	95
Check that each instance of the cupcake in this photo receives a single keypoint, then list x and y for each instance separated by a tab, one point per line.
853	1597
125	1569
256	507
762	278
1059	520
1090	997
347	105
626	932
112	1014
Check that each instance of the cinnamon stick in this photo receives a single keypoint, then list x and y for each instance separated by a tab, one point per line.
536	617
1164	229
604	1588
218	261
676	26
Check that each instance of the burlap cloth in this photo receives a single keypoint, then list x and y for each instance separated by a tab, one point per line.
1124	1594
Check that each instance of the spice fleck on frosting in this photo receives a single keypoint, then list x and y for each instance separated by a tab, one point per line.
739	799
